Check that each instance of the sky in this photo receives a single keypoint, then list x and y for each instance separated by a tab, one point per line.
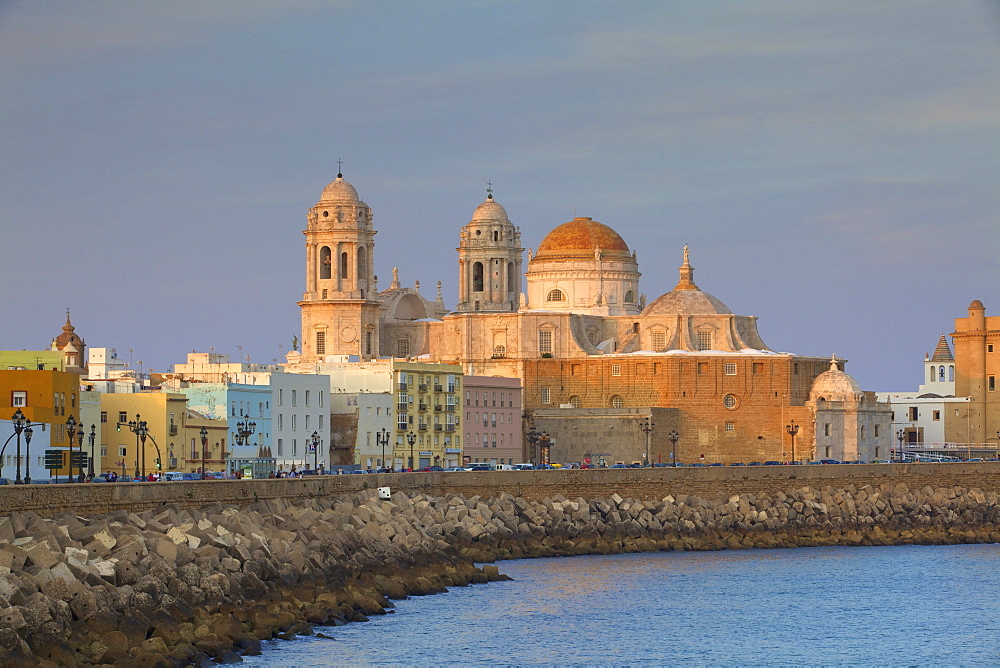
833	166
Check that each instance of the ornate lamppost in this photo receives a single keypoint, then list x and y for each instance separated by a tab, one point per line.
93	437
382	438
22	424
204	445
900	435
646	427
411	438
544	441
245	428
71	429
141	430
314	446
792	430
79	461
673	436
532	437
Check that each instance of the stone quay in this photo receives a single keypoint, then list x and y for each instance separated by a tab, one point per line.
176	579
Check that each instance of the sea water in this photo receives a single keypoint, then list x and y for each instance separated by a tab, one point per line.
887	606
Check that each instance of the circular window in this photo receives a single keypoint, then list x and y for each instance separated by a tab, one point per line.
729	401
617	401
478	232
326	214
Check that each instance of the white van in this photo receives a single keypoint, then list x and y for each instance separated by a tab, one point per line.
504	467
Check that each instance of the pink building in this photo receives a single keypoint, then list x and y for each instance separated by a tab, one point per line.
492	423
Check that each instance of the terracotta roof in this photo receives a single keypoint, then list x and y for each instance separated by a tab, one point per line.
581	238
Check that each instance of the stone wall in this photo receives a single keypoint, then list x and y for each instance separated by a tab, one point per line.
49	500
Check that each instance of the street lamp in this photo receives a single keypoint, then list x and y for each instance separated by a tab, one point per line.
673	436
544	441
71	428
899	435
646	427
532	436
314	446
22	424
244	430
204	443
141	431
382	438
93	437
411	438
792	430
79	461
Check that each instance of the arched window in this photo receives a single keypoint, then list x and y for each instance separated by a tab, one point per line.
951	373
499	352
933	370
324	262
941	374
556	295
362	262
574	401
477	277
617	401
629	297
343	266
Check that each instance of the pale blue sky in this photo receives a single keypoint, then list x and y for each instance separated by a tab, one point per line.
832	165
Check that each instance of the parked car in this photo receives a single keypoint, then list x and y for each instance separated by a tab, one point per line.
772	463
479	466
737	464
454	468
173	475
830	461
523	467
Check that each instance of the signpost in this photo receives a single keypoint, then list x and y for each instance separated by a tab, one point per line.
54	461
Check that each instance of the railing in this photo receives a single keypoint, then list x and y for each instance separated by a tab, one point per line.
437	388
437	408
437	427
422	427
173	430
422	407
450	408
423	387
403	387
449	427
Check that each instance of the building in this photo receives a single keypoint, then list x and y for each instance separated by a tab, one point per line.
580	337
72	347
48	398
492	426
123	450
977	367
362	423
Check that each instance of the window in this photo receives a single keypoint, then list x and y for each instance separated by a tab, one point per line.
307	397
659	340
343	274
486	419
324	260
468	398
122	417
617	401
826	429
991	383
18	399
295	399
704	340
307	423
477	277
281	421
730	426
493	420
912	411
876	435
281	397
104	417
500	352
321	343
402	347
545	341
592	336
936	416
989	347
281	447
629	297
574	401
616	370
401	420
729	401
556	295
730	368
123	451
546	395
321	398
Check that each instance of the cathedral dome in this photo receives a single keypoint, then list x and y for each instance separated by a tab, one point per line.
490	212
581	238
341	192
834	385
686	302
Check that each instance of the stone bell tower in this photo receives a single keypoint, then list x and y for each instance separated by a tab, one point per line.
489	261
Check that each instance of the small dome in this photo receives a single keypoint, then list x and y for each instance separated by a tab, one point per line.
835	385
686	302
581	238
976	304
340	192
490	212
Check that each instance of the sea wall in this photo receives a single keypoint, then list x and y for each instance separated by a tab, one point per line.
644	484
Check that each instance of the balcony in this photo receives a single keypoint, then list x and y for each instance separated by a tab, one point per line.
422	427
450	408
437	427
437	388
401	408
422	387
173	429
422	407
403	387
437	408
449	428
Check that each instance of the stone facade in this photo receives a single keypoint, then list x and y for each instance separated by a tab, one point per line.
977	368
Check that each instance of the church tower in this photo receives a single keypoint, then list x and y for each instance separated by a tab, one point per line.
340	306
489	261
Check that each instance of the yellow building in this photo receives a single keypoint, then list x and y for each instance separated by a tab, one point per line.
124	419
48	398
977	367
428	414
195	453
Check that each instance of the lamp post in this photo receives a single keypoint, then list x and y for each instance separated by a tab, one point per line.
411	438
141	431
646	427
792	430
244	430
532	438
93	437
382	438
673	436
314	445
204	444
22	424
899	435
79	440
544	441
71	429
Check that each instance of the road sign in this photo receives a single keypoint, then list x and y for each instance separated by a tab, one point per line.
54	459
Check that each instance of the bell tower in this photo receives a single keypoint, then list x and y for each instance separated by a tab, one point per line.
489	261
340	306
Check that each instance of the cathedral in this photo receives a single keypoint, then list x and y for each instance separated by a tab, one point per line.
593	357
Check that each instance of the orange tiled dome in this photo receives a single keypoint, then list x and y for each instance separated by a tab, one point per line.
579	238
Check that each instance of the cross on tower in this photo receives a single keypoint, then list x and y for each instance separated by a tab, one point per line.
340	165
489	190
